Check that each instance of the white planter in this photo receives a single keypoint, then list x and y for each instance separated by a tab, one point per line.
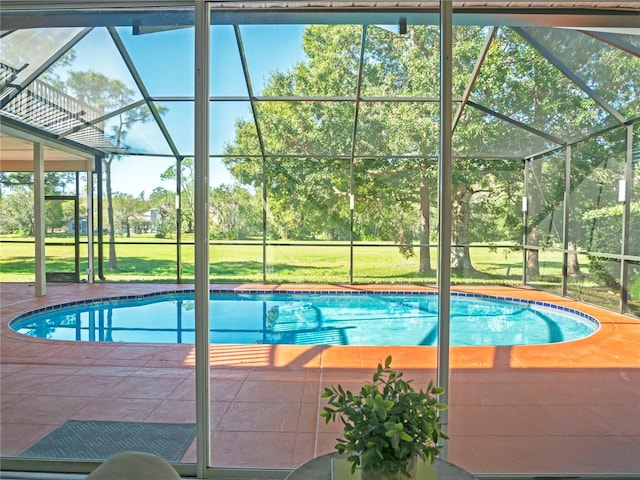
412	468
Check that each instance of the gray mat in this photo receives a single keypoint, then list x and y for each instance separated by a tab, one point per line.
99	440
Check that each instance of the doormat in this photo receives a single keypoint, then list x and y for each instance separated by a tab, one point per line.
100	440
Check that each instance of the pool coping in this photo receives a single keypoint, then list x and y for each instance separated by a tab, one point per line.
611	324
262	291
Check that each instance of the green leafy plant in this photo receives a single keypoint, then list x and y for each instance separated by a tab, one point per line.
388	423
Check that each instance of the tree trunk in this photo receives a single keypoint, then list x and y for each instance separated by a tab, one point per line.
460	210
535	200
425	252
533	235
573	267
113	260
533	257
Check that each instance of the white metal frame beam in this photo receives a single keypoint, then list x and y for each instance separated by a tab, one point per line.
39	224
201	161
444	202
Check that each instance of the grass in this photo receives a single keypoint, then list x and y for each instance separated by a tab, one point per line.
303	262
328	262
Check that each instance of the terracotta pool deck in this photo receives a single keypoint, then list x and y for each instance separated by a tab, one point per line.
571	407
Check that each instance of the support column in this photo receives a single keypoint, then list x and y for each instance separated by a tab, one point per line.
179	218
90	276
201	170
444	201
100	220
625	198
265	206
39	226
525	218
565	220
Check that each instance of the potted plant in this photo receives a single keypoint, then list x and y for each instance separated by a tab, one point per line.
388	426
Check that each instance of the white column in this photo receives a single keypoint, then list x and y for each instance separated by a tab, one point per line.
90	275
39	226
201	160
444	201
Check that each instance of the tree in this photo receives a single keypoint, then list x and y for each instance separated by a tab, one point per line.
55	183
107	94
16	211
519	81
68	210
54	216
396	171
396	142
309	197
607	239
164	201
236	213
18	190
187	192
594	212
126	208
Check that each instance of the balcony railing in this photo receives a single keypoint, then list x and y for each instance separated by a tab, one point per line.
48	108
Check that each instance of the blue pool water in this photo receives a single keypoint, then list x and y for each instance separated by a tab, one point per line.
310	318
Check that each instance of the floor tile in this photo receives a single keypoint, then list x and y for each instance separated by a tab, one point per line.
173	411
260	417
251	449
572	407
17	437
117	409
44	409
144	387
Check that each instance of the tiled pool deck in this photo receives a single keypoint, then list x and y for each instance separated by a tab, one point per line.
572	407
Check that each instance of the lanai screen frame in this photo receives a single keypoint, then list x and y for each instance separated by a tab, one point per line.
249	15
202	277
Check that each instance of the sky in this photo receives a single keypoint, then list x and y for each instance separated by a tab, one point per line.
165	63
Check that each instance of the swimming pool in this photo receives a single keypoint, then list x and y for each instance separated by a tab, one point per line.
326	318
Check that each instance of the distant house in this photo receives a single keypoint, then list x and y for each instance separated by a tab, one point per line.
71	226
145	222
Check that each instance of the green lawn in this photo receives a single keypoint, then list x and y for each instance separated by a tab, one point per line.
328	262
307	262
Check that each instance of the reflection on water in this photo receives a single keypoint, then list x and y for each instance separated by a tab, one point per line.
311	319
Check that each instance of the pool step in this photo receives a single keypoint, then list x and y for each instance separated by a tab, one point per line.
324	336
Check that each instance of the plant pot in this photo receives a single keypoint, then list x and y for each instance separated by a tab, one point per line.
412	468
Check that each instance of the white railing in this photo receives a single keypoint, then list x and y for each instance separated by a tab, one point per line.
48	108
